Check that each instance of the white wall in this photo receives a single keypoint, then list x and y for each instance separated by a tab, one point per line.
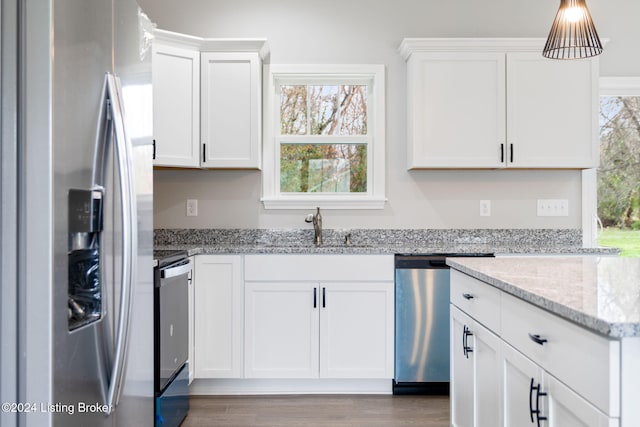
368	31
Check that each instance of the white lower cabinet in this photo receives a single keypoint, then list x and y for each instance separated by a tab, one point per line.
318	330
502	379
281	329
303	321
524	401
356	330
532	395
218	321
476	397
191	304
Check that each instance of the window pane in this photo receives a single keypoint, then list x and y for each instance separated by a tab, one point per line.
293	110
323	109
323	168
353	110
619	172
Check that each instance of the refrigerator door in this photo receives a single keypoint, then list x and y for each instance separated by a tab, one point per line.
82	46
132	61
86	44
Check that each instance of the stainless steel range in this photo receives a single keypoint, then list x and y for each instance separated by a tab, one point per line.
171	337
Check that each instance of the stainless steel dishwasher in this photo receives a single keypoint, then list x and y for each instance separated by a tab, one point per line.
422	323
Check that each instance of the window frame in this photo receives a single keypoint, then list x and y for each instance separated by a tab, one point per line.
274	76
608	86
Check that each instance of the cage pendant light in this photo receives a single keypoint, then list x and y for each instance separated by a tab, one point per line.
572	34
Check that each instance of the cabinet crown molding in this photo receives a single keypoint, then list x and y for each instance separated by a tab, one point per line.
410	45
201	44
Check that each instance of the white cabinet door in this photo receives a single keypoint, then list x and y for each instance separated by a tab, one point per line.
356	330
568	409
462	384
176	106
522	378
456	106
281	335
487	354
552	108
476	373
191	304
218	316
230	110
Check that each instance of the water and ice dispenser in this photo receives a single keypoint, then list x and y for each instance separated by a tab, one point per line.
85	227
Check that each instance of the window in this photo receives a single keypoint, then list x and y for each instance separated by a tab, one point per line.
324	137
618	177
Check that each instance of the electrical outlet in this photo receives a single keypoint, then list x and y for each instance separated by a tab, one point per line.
192	207
485	207
553	207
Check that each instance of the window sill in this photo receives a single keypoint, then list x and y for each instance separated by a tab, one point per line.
324	203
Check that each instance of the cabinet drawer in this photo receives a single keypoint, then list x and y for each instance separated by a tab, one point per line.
478	299
590	363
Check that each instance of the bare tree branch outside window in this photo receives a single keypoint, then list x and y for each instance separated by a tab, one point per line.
325	166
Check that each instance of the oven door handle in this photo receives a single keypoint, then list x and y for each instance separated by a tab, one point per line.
178	270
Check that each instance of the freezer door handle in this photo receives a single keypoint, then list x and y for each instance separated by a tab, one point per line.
112	123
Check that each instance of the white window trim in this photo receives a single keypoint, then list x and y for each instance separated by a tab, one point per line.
375	197
609	86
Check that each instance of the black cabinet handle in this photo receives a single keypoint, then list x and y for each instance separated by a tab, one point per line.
511	152
531	410
468	296
204	153
536	339
501	153
538	416
466	332
315	297
154	150
324	297
535	411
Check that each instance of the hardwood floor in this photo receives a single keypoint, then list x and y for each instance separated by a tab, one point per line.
318	411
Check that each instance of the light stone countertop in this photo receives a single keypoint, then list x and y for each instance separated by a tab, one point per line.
601	294
375	241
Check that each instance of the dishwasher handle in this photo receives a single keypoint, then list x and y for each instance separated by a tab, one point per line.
174	270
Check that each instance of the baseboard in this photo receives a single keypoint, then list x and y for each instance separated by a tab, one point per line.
289	386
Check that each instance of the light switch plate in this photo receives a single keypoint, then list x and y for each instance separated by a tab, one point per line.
553	207
192	207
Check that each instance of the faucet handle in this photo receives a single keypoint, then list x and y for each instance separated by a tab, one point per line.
309	218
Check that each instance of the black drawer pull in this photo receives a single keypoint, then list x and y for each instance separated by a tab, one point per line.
536	339
315	297
468	296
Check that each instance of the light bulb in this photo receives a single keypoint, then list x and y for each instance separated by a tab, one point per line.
573	14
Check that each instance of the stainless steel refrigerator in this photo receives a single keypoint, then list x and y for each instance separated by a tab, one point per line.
89	346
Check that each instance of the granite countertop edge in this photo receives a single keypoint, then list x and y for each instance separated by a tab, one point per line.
229	249
612	330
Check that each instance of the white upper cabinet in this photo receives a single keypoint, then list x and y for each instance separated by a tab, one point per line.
176	105
207	101
231	110
456	109
552	111
496	103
